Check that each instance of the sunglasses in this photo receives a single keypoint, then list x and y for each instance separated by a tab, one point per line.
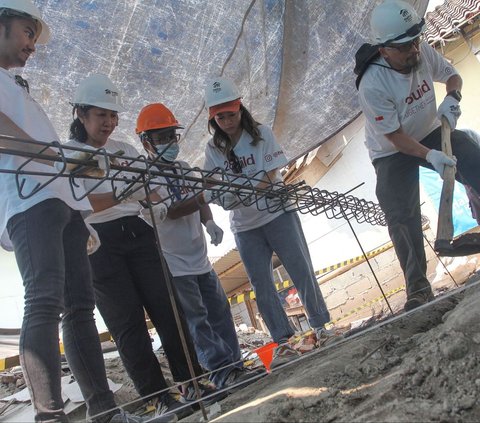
234	162
406	47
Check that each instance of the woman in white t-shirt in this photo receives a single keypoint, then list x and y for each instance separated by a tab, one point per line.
240	145
128	276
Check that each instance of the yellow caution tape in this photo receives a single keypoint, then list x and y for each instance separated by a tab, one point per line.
237	299
367	304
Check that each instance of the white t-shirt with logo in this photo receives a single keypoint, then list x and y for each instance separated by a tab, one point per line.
120	210
29	116
183	240
390	99
267	155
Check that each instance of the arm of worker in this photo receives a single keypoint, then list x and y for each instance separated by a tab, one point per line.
215	232
107	200
10	128
408	145
450	106
444	72
186	207
454	83
102	201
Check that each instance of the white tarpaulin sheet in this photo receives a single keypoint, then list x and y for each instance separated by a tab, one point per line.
292	60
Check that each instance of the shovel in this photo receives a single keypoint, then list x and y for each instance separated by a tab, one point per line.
445	244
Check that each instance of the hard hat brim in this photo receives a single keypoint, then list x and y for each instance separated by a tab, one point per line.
45	33
107	106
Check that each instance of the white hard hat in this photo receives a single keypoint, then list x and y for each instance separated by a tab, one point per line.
220	90
26	7
98	90
395	21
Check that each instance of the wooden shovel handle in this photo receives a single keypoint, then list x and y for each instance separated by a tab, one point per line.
445	223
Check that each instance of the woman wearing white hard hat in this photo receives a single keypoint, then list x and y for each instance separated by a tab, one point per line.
127	270
241	145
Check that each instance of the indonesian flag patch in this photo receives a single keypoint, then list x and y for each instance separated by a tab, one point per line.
378	118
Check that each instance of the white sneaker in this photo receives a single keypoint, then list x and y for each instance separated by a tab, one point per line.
283	354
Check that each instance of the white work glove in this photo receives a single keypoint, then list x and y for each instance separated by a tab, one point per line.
438	159
160	211
215	232
93	242
450	108
99	170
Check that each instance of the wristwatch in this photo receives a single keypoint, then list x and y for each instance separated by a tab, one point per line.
456	94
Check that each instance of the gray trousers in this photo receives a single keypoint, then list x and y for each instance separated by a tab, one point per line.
398	195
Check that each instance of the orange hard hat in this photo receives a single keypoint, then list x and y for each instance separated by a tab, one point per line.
156	116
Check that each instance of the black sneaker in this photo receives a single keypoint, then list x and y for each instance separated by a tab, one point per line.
208	393
418	299
238	379
167	405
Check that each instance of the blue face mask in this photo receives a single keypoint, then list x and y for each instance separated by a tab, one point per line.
169	154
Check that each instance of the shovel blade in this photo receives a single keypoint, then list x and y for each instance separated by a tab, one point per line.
464	245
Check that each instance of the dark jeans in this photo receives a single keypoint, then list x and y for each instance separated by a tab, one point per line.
398	195
128	277
50	240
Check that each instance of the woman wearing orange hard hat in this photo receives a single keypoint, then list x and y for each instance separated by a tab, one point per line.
184	246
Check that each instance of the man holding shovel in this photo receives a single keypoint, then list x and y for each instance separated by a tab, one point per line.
402	130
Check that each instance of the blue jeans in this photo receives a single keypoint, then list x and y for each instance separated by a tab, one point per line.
284	236
49	241
128	278
210	322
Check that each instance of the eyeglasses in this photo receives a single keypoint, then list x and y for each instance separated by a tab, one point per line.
160	138
406	47
234	162
410	32
22	82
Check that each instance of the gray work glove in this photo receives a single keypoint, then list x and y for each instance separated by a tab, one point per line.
215	232
438	159
450	109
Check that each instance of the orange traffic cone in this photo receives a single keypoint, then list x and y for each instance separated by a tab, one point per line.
265	354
